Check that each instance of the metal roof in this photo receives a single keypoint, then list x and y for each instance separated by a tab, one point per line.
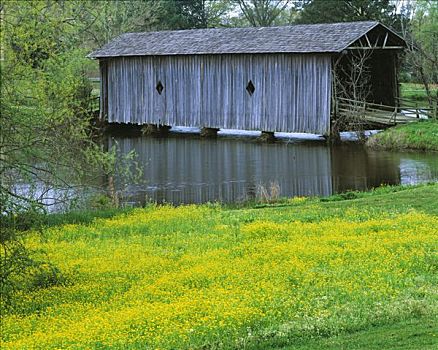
307	38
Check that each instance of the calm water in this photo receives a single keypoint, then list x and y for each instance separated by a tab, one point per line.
187	169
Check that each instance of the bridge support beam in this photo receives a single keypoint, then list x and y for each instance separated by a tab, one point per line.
209	132
155	130
267	136
121	129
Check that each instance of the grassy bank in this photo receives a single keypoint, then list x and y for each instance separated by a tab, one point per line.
307	273
422	135
411	334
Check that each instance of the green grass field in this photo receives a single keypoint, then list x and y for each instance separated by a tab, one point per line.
351	271
415	94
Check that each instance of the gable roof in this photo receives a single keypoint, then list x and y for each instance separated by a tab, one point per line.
306	38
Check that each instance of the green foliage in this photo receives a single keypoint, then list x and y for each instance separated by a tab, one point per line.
45	275
192	14
100	202
101	21
17	263
45	109
45	128
422	54
185	14
323	11
112	165
48	139
84	216
265	13
425	34
341	197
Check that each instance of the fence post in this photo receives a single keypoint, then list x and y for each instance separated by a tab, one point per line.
433	111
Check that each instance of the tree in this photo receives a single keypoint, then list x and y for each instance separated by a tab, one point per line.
351	88
46	131
98	22
330	11
421	34
45	101
264	13
193	14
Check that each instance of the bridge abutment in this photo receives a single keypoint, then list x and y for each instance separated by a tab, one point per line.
209	132
155	130
267	136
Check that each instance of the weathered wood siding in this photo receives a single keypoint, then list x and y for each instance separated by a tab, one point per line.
292	92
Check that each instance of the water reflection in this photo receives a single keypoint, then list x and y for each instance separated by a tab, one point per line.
53	199
181	169
414	171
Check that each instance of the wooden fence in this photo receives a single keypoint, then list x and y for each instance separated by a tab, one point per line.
360	113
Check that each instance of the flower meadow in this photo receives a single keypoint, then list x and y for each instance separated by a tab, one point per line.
206	277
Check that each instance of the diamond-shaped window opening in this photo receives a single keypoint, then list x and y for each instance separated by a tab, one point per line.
250	88
159	87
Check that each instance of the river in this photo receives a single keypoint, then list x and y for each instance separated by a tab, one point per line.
184	168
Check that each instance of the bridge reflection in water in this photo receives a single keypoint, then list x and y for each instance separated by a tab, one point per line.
187	169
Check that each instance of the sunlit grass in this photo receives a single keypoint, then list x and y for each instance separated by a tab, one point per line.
415	94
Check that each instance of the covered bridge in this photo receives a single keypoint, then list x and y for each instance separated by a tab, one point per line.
267	79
